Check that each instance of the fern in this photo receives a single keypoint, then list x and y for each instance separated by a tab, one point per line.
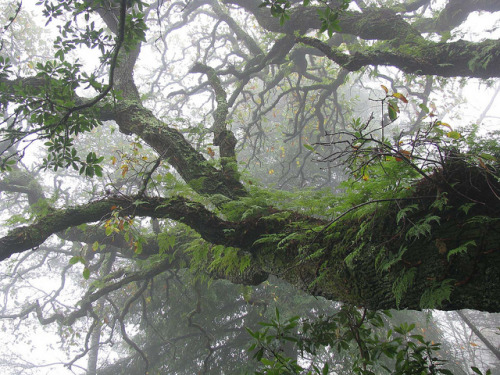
385	262
402	283
461	249
404	211
423	227
435	295
349	259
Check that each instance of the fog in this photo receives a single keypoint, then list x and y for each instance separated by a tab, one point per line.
247	187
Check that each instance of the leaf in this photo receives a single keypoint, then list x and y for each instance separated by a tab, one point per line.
393	111
482	164
325	369
75	260
109	230
487	157
461	249
309	147
385	89
440	123
400	97
86	273
98	170
454	135
424	108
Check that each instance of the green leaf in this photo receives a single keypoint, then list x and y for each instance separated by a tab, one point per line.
98	170
325	369
309	147
109	230
86	273
424	108
454	135
461	249
393	113
75	260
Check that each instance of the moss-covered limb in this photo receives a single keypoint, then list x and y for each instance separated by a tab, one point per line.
414	5
379	267
372	23
132	118
377	24
384	268
406	48
413	253
223	137
467	59
207	224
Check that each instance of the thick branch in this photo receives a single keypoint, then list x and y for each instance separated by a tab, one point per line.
208	225
467	59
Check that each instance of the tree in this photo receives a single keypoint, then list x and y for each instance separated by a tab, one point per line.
163	155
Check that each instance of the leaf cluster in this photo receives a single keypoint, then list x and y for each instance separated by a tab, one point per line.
379	349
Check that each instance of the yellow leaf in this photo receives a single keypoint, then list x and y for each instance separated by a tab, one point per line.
473	344
440	123
271	171
366	177
385	89
124	169
400	97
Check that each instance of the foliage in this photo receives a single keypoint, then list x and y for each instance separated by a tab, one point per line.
328	15
376	345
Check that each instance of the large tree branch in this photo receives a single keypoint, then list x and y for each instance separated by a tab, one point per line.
462	58
335	262
207	224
